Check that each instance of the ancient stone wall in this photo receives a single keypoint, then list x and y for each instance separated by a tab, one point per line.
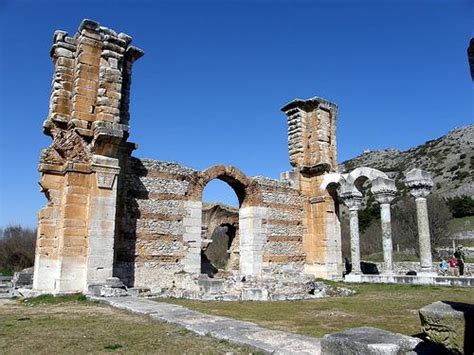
150	246
283	222
88	122
109	214
312	151
152	249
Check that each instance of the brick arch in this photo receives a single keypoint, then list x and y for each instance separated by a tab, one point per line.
244	187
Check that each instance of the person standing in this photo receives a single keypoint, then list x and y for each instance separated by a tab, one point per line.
459	255
453	266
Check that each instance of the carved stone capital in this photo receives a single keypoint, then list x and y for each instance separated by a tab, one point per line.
420	182
351	197
106	170
384	190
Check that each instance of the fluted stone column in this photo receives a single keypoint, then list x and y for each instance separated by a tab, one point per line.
352	198
384	191
420	184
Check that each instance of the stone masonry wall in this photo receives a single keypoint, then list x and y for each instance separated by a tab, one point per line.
283	222
88	123
151	247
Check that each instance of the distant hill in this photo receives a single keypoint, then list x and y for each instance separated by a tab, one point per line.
449	158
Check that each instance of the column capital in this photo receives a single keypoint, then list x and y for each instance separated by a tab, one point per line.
106	170
351	197
420	182
384	190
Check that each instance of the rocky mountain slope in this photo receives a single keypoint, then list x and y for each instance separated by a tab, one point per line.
449	158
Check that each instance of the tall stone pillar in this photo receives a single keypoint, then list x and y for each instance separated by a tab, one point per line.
420	184
352	198
384	191
88	122
312	151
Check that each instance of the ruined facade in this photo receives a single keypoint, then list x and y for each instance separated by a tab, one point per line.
110	214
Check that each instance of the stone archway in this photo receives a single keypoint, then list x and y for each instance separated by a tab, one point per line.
251	229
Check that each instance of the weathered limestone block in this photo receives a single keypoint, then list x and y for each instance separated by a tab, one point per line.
450	325
169	207
281	198
162	227
368	341
168	186
284	230
285	215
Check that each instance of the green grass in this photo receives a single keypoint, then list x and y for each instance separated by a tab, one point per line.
391	307
82	327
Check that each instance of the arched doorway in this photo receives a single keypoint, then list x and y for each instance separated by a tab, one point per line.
220	230
252	236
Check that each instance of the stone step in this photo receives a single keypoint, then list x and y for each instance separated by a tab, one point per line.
235	331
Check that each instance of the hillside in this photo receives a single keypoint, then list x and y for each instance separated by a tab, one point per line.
449	158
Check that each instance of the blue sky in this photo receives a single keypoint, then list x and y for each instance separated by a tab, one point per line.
215	74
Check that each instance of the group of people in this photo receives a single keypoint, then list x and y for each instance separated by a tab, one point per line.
455	264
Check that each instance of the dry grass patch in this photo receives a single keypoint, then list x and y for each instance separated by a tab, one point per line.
82	327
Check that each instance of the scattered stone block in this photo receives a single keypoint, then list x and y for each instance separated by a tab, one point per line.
254	294
368	341
450	325
210	286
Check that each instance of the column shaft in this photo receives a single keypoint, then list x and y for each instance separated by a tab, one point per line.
423	234
355	247
386	237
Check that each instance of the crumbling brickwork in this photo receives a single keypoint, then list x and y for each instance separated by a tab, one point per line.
110	214
312	150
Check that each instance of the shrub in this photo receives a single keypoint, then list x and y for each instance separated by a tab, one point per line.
461	206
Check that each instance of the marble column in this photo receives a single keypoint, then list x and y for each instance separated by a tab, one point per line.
420	184
384	191
352	198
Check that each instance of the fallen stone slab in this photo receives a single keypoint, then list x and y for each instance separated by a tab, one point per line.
369	341
235	331
450	325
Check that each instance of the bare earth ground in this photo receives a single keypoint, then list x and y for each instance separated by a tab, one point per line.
390	307
80	327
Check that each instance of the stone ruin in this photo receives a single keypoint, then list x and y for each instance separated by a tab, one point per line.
140	221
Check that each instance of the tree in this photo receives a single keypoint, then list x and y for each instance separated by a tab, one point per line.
17	247
405	227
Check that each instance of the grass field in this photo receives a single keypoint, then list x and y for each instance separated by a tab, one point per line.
72	325
391	307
